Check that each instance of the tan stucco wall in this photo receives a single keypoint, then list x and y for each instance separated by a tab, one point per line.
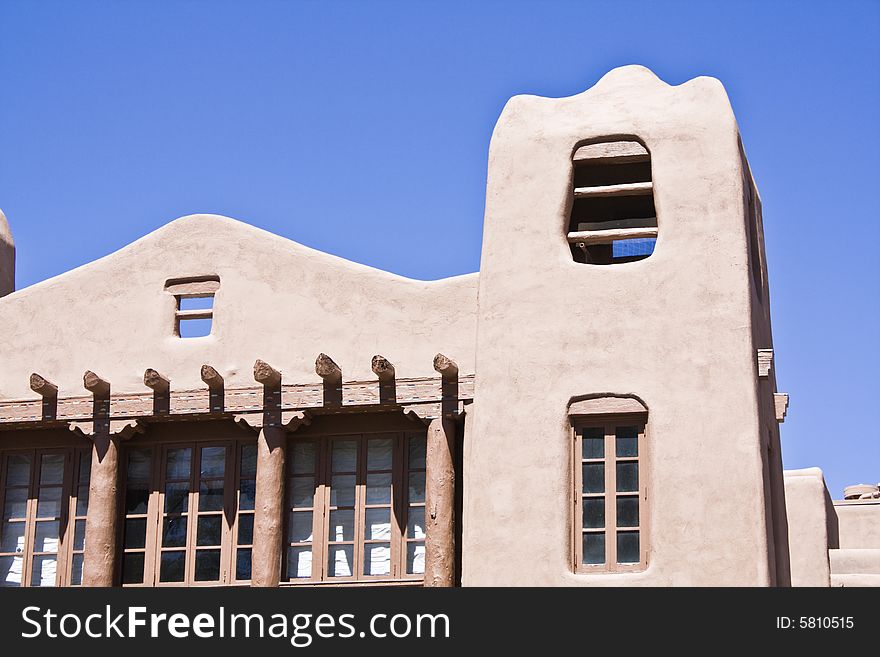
673	330
7	257
858	523
806	499
278	301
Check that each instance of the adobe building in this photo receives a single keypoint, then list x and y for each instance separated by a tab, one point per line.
214	404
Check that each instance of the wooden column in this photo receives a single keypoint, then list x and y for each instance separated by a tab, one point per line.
440	504
99	558
269	503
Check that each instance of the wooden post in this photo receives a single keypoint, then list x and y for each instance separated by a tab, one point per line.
440	504
99	557
270	499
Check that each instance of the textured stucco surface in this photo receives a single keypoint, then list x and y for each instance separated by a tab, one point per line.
858	523
278	301
808	535
672	329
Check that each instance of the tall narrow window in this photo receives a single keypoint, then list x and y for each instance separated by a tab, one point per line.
609	496
613	219
356	508
79	506
194	315
135	566
244	519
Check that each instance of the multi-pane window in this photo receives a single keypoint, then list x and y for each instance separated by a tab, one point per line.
609	497
356	508
43	529
182	525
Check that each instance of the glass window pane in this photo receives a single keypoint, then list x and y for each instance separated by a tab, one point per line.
208	530
379	451
594	477
213	462
379	488
594	548
342	490
377	559
49	502
628	547
627	441
52	469
415	522
243	564
207	565
12	536
10	570
377	524
594	512
174	532
82	500
344	456
133	568
85	467
416	487
135	533
139	464
627	477
415	558
341	525
248	469
43	571
303	457
248	491
211	495
245	529
15	504
627	511
177	463
46	539
172	566
79	535
177	498
18	470
302	492
593	443
340	561
299	562
136	500
417	451
300	530
76	570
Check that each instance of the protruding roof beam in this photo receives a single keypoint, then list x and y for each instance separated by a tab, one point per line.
765	362
212	378
155	381
446	366
43	387
327	369
383	368
95	384
266	374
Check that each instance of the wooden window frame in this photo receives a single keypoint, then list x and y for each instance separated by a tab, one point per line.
155	514
79	457
609	425
65	526
321	507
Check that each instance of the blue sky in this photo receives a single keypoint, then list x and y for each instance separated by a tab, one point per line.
362	129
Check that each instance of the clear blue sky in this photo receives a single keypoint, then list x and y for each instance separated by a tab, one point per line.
362	129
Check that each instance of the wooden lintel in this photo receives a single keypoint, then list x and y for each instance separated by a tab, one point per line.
608	236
